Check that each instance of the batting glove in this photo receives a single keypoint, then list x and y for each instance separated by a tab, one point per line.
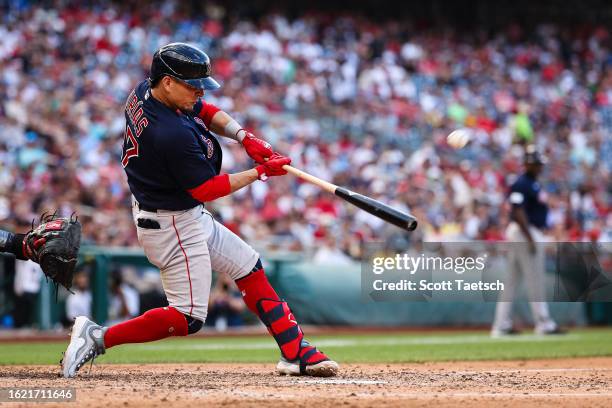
257	149
273	167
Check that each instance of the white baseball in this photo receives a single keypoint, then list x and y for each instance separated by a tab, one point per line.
458	138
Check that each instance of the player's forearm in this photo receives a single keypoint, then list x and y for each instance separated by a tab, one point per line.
12	244
222	185
242	179
6	241
221	123
224	125
218	123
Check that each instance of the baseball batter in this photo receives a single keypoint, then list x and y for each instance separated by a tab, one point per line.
529	213
173	161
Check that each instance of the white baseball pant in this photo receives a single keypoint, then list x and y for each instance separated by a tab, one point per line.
523	265
186	247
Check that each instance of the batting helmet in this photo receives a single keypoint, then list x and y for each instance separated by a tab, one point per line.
533	156
185	63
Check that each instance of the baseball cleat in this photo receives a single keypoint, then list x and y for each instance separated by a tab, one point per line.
550	332
86	343
311	362
497	333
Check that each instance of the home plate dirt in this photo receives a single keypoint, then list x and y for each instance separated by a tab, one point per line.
559	383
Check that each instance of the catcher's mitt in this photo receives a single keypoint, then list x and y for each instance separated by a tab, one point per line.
54	244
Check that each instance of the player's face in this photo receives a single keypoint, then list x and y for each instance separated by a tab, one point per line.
534	168
184	96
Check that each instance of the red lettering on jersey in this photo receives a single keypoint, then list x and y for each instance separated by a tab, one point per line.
132	101
210	149
129	152
137	115
142	124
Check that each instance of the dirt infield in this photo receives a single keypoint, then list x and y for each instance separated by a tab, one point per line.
560	383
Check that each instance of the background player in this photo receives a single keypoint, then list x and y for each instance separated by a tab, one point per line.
173	161
529	212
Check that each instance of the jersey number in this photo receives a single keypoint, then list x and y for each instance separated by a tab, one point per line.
130	146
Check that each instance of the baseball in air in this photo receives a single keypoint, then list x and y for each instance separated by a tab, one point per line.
458	138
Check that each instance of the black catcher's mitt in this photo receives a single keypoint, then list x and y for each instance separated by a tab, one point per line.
54	244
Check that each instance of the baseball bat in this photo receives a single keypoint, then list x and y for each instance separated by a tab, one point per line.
374	207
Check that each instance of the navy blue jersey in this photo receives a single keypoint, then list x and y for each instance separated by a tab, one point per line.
526	193
165	152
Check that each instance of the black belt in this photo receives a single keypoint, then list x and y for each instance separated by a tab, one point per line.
146	207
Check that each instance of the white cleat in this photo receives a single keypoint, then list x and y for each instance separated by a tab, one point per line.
327	368
310	362
86	343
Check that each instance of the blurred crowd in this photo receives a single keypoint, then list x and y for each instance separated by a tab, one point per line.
364	105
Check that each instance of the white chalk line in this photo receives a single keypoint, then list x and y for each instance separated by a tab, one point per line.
345	381
298	380
390	394
491	395
393	341
419	395
533	370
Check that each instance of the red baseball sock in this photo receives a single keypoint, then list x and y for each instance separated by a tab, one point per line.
155	324
262	300
254	287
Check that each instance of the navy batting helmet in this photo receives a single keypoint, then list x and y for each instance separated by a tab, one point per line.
185	63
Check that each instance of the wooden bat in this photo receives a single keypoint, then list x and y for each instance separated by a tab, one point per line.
374	207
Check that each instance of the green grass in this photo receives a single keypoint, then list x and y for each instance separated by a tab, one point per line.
381	348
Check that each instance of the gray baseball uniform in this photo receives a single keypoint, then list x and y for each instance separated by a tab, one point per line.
186	248
165	154
526	193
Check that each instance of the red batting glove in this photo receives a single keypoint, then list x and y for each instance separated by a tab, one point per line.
273	167
257	149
